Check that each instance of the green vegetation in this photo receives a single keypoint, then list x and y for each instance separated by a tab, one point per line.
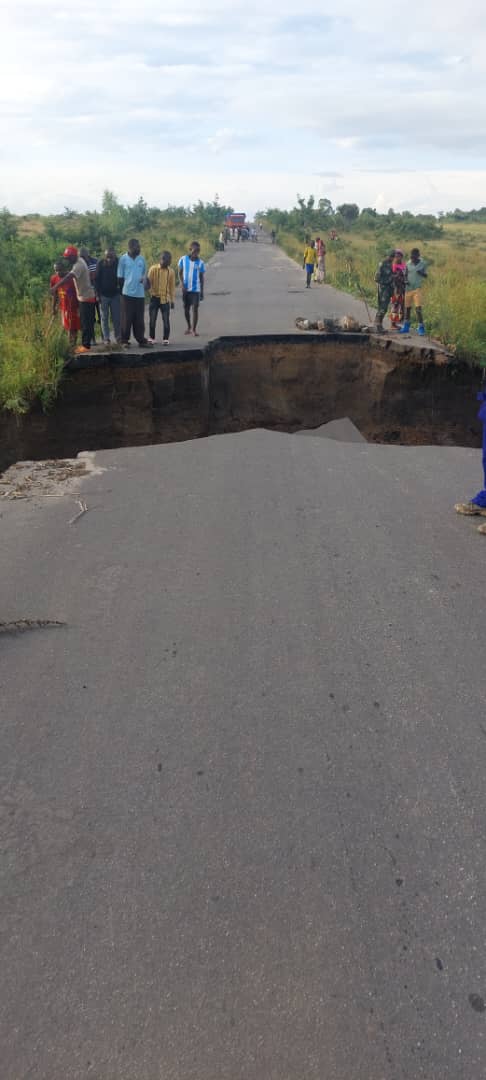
33	351
454	246
33	346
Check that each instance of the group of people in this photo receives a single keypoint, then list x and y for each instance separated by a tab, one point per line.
237	233
315	262
114	288
400	287
400	284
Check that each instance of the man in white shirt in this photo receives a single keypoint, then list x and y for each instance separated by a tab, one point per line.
191	274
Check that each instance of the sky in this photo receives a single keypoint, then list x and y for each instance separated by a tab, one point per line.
373	103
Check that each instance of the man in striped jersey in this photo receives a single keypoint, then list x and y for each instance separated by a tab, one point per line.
191	273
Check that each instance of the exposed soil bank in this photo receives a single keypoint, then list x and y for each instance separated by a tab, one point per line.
392	391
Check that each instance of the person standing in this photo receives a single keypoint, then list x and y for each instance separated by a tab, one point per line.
106	285
415	279
309	262
85	293
92	263
399	268
161	281
384	280
131	276
68	303
320	272
191	273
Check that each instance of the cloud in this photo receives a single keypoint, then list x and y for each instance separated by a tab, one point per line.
156	93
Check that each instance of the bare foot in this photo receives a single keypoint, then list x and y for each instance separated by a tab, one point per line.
195	333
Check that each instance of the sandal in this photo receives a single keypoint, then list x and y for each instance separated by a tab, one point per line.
470	509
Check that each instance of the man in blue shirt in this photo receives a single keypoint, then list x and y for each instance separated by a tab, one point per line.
131	276
191	273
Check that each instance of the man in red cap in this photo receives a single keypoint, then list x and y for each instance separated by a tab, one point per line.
85	293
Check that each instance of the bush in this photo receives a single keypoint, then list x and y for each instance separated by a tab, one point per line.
33	351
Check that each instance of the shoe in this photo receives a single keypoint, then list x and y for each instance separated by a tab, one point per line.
106	341
81	349
146	342
482	529
165	341
405	329
124	344
469	509
151	340
421	330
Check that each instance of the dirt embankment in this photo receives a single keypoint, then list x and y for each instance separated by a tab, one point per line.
391	391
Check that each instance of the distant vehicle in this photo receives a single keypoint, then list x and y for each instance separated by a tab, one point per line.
235	221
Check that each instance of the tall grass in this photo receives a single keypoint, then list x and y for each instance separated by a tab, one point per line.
33	351
153	241
454	297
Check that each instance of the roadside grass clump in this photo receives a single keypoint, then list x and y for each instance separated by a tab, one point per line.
33	351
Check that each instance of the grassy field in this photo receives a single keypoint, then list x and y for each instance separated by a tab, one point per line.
455	294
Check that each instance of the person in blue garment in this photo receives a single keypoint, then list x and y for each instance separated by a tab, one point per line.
476	507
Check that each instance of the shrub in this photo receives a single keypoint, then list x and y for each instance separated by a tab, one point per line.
33	351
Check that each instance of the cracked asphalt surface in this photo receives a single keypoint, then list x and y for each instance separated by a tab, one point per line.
242	807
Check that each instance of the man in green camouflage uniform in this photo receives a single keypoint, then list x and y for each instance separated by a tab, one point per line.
384	280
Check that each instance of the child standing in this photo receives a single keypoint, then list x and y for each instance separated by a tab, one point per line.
416	277
161	282
309	263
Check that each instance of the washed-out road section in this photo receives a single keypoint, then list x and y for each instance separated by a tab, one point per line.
242	785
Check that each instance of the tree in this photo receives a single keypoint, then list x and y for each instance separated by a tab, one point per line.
110	203
139	214
8	225
349	212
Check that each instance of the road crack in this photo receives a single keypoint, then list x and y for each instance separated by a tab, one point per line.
19	626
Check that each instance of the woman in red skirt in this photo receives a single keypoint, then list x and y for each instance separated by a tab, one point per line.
68	303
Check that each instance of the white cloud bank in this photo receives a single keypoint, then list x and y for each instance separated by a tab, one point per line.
251	101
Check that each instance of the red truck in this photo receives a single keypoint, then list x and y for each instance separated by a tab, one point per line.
235	221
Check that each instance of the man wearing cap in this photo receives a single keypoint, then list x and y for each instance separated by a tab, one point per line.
85	293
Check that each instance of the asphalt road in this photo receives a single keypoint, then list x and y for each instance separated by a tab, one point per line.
242	788
255	289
